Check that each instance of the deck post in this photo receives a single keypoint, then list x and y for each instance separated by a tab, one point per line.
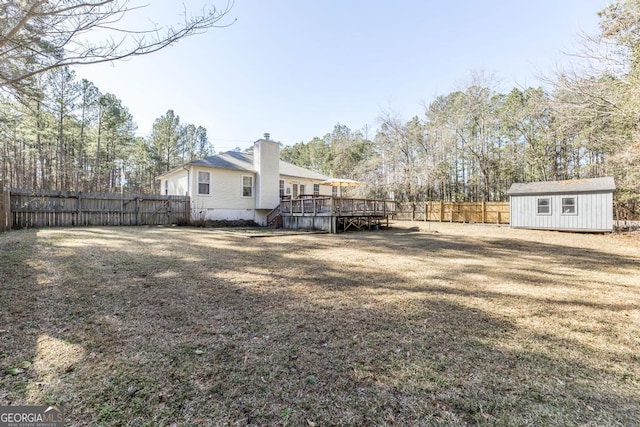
441	211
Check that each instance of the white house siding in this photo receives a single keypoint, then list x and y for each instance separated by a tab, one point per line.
325	190
225	201
594	212
176	183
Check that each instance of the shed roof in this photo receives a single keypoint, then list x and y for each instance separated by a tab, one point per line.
589	185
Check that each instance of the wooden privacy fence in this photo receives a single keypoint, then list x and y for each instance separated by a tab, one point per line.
5	210
47	208
477	212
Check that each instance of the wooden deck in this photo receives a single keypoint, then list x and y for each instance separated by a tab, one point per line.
336	214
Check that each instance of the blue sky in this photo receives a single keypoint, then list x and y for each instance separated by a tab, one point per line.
296	68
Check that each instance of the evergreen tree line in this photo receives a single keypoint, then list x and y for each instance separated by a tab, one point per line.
64	134
473	143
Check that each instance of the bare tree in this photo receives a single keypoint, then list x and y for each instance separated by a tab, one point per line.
39	35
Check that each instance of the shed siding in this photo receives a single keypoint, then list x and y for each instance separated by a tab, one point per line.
594	212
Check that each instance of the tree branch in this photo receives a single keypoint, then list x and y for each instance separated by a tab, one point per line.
45	38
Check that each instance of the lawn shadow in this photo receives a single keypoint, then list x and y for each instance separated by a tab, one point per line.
163	326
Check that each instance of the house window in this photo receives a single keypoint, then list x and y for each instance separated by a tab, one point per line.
204	183
302	189
316	189
295	190
166	186
334	191
282	188
569	206
247	186
544	206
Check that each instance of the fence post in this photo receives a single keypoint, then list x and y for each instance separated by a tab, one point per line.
5	208
484	212
137	210
187	210
426	212
79	208
413	211
3	215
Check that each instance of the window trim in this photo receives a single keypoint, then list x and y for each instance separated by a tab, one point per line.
200	182
574	206
243	187
282	188
538	200
316	189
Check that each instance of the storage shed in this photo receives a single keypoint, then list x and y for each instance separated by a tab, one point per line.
572	205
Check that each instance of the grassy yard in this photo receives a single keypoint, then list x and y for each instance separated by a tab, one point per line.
450	325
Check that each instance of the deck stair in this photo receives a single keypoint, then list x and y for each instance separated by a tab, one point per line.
274	218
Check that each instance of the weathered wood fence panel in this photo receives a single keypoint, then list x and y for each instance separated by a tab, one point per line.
47	208
476	212
5	210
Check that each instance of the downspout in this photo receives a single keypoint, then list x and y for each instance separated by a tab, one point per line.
188	179
189	191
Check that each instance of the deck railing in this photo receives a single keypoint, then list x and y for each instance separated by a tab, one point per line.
336	206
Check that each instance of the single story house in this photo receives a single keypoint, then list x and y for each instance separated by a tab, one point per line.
242	186
571	205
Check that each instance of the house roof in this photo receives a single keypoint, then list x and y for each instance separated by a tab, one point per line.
229	160
569	186
236	160
290	169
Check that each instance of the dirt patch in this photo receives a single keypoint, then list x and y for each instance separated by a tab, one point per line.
226	223
265	232
446	324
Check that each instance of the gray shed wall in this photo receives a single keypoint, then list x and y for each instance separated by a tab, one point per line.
594	212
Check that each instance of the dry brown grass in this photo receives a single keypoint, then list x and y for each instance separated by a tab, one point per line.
451	325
